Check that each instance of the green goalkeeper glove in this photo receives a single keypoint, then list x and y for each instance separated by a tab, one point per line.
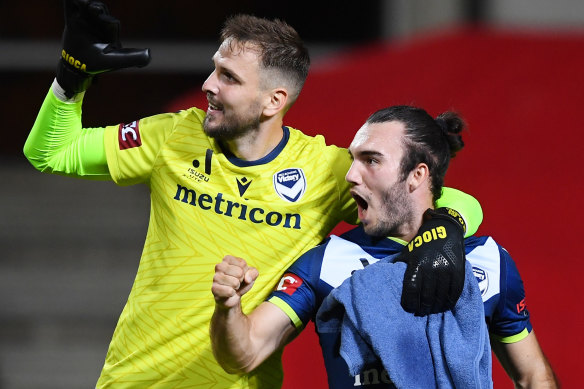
91	46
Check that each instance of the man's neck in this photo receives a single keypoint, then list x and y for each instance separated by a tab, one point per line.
410	230
256	144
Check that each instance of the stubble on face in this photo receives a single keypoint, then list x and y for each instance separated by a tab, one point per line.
233	125
396	212
238	112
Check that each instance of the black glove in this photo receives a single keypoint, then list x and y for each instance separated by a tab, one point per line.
434	277
91	45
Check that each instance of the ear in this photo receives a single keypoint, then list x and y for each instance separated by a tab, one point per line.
419	177
276	101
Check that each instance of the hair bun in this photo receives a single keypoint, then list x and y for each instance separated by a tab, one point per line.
443	125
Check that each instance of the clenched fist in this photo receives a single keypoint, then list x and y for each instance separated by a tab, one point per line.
233	278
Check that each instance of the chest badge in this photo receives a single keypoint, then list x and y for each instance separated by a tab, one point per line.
290	184
482	278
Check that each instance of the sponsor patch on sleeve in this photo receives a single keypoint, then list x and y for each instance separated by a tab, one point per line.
289	283
129	136
521	306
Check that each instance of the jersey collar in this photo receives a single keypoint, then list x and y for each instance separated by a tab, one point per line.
268	158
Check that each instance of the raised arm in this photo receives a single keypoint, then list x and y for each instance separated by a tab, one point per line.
91	45
58	144
525	363
242	342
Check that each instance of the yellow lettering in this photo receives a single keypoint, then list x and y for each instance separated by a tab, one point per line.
427	236
418	241
72	61
441	231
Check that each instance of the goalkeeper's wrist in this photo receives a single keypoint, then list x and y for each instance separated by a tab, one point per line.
61	94
73	81
450	214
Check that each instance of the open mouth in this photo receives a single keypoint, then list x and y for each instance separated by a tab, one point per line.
214	107
361	202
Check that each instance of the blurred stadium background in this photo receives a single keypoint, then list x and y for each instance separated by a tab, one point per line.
69	249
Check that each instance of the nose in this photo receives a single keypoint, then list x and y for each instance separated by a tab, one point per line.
353	176
210	84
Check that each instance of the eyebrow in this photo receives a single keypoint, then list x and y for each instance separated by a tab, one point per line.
367	153
225	68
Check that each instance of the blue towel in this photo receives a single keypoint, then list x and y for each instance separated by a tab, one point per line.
446	350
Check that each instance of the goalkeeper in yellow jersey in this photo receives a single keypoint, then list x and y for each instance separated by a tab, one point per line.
229	180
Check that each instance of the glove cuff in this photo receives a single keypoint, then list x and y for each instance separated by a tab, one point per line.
448	214
71	80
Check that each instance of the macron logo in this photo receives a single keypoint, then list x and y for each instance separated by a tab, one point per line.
242	185
129	136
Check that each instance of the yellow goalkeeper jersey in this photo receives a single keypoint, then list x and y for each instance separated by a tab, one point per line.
205	204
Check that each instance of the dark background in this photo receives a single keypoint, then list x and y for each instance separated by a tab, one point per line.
69	248
177	22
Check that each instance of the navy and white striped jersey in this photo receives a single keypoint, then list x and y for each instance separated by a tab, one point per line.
310	279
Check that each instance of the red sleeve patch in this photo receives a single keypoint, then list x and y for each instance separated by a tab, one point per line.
521	306
289	283
129	136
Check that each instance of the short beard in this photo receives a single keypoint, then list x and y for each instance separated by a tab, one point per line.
232	127
397	212
229	132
